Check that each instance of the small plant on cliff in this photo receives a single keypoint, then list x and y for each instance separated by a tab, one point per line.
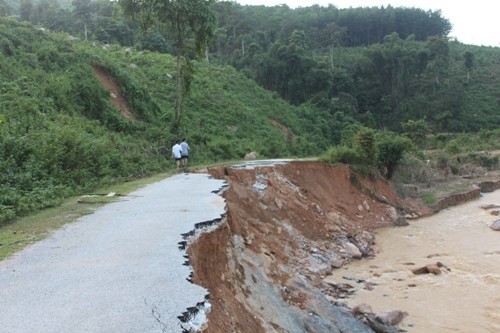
429	198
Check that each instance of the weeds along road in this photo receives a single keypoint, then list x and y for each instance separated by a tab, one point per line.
117	270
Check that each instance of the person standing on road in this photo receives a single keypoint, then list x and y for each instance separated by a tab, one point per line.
185	153
177	153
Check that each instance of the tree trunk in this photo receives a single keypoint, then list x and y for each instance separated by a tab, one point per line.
178	77
178	92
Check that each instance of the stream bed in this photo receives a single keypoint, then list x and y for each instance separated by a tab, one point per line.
464	298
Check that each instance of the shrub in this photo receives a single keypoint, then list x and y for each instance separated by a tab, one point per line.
416	130
343	154
391	149
429	198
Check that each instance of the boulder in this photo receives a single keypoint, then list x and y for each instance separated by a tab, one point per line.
392	317
353	250
434	269
362	309
401	222
495	225
431	268
378	326
251	156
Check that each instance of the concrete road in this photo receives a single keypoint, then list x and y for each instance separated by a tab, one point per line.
117	270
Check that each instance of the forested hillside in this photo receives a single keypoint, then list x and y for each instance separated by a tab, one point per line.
383	66
60	133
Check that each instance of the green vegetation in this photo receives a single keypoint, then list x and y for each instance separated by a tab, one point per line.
37	226
429	198
369	151
191	22
61	135
278	81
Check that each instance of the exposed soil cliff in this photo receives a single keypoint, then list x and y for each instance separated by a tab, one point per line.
287	227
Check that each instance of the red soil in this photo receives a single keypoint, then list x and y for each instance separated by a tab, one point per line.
280	219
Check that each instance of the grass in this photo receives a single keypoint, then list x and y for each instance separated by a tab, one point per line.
456	187
429	198
35	227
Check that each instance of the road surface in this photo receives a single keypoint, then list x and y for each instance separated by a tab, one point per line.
117	270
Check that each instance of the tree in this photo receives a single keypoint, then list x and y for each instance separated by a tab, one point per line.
25	9
391	149
439	56
5	9
83	12
190	22
469	63
416	130
393	66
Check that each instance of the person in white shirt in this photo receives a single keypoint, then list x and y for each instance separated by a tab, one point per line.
177	153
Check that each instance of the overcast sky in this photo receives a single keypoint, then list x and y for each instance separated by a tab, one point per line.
474	22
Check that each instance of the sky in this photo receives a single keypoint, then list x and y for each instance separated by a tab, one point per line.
474	22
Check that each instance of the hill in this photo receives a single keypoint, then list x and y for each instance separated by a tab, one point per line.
381	66
61	134
77	114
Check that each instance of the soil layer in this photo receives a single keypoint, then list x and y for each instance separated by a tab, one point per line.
287	227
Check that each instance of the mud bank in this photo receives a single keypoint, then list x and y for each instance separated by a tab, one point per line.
461	196
287	227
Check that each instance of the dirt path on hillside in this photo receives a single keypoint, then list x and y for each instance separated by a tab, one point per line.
115	94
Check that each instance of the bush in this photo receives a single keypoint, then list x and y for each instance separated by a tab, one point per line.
343	154
429	198
391	149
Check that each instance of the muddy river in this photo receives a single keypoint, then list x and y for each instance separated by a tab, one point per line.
465	298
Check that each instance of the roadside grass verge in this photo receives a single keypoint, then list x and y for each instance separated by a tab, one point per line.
29	229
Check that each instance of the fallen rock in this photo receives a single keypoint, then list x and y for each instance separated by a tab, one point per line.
401	222
431	268
420	271
251	156
362	309
392	317
495	225
353	250
378	326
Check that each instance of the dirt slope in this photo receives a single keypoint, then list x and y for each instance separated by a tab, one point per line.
287	227
115	95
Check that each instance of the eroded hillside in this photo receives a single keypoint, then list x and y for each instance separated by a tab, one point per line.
287	227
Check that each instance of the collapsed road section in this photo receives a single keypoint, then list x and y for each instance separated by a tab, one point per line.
288	226
117	270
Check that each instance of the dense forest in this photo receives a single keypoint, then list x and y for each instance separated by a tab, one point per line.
276	80
383	66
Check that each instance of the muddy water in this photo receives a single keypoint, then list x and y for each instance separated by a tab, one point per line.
464	299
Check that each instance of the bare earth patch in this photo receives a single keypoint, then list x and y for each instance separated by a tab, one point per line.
114	92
